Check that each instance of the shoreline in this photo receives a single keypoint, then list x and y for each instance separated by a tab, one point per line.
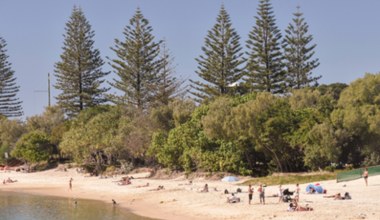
57	185
181	201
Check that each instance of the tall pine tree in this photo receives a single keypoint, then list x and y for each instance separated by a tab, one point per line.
10	106
220	68
137	64
79	74
265	68
168	86
299	53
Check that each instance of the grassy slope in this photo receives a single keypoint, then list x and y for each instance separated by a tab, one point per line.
291	178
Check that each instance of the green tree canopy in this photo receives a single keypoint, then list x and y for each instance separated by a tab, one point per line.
10	132
357	119
33	147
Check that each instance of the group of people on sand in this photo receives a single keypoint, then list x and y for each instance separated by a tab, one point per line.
260	190
293	202
9	180
293	205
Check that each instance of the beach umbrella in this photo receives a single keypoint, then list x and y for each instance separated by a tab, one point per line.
309	187
318	188
230	179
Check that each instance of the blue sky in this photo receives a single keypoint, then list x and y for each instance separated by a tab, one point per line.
347	33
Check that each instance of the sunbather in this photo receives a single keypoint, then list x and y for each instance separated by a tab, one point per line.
158	188
233	199
336	196
9	180
146	185
306	208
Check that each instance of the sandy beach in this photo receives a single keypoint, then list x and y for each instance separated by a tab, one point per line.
182	201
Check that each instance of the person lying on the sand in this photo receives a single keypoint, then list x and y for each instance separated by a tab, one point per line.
337	196
145	185
233	199
158	188
9	180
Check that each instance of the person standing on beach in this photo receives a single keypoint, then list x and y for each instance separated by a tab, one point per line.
365	176
250	193
297	192
71	183
280	194
261	191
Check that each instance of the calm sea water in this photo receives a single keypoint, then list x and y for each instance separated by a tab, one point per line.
19	206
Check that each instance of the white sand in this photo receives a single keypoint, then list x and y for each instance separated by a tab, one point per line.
180	201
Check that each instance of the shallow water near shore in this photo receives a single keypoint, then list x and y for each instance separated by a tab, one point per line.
20	206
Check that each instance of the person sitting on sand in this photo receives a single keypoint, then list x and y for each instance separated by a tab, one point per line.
125	181
205	188
294	206
312	190
347	196
291	207
233	199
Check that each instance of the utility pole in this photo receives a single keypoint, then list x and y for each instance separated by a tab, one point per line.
48	90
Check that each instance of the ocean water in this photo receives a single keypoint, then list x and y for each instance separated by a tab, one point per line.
20	206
